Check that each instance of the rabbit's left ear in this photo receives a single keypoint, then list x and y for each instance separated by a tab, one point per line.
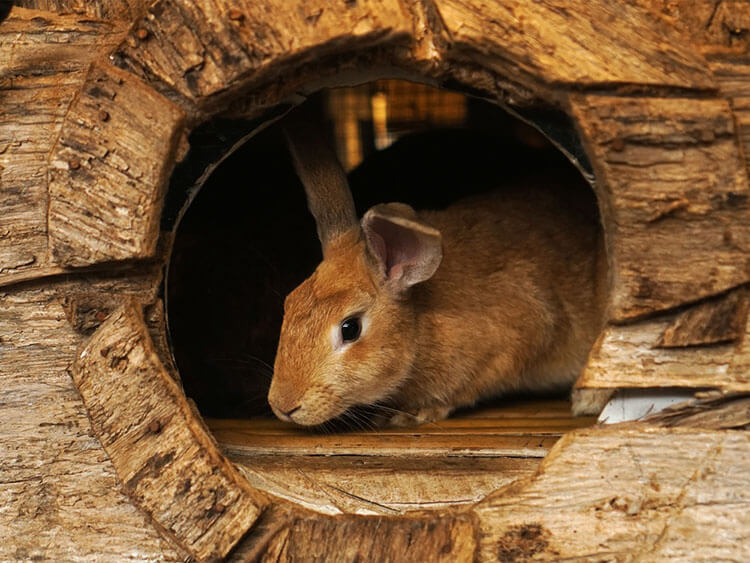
405	251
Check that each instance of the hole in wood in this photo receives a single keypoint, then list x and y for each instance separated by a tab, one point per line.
248	239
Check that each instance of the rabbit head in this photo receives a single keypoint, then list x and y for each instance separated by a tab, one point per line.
348	332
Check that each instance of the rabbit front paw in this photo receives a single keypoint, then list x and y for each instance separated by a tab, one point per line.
421	416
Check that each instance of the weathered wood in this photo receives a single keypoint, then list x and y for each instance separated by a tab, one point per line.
716	321
167	461
124	10
43	57
375	484
59	493
347	538
555	42
109	170
396	470
715	410
201	49
639	493
674	195
733	77
633	355
714	25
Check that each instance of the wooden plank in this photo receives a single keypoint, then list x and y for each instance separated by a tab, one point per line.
60	499
200	49
109	170
631	356
674	196
367	484
627	493
578	43
44	58
238	442
167	461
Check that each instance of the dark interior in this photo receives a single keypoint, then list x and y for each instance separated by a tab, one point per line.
247	239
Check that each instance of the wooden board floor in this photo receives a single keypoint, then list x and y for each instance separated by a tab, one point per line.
455	461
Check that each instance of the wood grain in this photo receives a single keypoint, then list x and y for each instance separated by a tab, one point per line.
639	493
674	195
60	499
571	43
109	170
632	355
43	61
198	50
168	463
124	10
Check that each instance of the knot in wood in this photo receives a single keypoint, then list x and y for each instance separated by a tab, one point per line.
74	164
141	33
103	115
154	427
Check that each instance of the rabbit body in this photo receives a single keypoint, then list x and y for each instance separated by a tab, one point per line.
499	292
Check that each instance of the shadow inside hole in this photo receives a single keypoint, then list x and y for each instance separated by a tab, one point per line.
248	239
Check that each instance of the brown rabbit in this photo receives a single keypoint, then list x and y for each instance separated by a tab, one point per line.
425	312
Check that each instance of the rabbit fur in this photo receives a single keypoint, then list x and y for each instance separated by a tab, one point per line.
497	293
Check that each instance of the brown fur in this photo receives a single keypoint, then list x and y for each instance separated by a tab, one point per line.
515	305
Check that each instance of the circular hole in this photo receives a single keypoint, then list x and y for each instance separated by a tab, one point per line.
248	239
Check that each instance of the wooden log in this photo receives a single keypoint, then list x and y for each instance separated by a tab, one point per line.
109	170
123	10
715	27
555	43
198	50
167	461
34	105
59	492
635	355
629	492
349	538
674	195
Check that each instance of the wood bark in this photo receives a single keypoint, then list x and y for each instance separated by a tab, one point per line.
109	170
166	459
557	43
59	493
43	60
123	10
635	355
674	195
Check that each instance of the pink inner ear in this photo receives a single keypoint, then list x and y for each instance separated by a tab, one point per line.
395	246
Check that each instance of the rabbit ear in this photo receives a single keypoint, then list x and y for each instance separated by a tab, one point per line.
328	195
406	251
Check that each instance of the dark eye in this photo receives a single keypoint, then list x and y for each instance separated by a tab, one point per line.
350	329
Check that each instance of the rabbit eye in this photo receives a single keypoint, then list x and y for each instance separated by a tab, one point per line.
350	329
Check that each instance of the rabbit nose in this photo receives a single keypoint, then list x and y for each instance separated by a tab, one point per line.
288	415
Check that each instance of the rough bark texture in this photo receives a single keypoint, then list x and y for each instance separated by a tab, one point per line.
568	43
109	170
634	355
60	499
167	461
675	202
43	61
124	10
674	195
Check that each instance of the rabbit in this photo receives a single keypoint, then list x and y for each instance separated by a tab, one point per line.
425	312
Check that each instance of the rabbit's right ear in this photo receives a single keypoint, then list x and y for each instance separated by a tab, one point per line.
405	250
328	195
